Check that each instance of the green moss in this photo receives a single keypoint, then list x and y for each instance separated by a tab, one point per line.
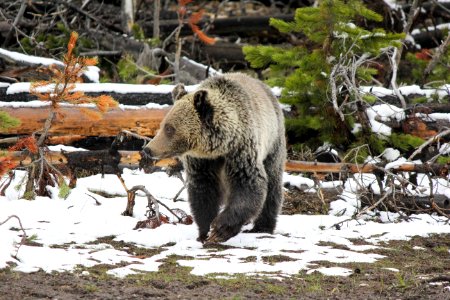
420	100
29	195
7	122
405	141
129	71
138	32
64	189
443	160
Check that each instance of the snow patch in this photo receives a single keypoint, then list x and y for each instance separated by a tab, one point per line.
80	220
332	271
383	112
391	154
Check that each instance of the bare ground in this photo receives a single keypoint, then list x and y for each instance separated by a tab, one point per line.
423	274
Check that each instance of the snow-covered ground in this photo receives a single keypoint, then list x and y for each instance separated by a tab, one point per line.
74	223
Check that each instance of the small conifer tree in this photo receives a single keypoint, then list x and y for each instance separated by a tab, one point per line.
321	80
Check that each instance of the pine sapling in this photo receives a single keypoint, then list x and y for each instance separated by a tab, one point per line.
59	89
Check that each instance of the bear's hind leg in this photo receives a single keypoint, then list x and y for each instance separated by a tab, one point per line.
274	165
204	191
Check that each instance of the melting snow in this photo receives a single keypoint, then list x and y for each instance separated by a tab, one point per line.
78	221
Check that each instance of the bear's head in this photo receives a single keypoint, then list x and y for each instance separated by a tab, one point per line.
190	127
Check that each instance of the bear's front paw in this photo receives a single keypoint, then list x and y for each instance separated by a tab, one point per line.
202	238
221	232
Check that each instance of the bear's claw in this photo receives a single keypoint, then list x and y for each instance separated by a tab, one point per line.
214	238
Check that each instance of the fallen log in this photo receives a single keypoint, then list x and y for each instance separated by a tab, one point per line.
317	167
131	159
429	39
225	52
242	25
128	159
73	121
131	94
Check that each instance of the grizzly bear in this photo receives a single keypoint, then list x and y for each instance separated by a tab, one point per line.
229	134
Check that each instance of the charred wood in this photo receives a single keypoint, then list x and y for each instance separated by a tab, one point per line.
122	98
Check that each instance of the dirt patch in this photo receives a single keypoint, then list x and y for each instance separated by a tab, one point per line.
418	269
308	203
130	248
272	259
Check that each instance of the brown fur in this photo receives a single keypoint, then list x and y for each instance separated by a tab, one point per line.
230	136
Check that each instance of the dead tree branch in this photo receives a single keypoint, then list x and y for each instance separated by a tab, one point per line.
19	16
429	142
397	53
436	57
156	11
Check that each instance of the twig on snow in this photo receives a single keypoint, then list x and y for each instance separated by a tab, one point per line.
153	203
24	236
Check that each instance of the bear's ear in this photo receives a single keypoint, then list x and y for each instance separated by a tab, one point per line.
203	107
178	92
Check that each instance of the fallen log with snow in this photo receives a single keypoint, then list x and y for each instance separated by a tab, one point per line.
127	94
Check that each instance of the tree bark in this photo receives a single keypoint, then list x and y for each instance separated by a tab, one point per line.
73	121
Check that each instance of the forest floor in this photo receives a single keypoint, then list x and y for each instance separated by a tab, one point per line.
414	269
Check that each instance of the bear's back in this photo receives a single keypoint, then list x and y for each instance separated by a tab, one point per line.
256	106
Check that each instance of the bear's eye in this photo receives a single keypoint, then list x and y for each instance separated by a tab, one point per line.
169	130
